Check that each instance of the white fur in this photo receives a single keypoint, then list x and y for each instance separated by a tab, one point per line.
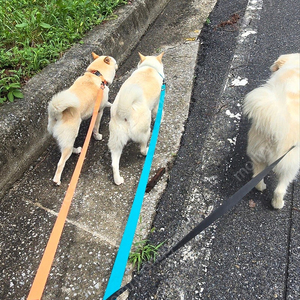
132	108
274	110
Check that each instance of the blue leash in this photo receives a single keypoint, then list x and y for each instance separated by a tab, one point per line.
117	273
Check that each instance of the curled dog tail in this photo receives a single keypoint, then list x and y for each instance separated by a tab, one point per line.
58	104
128	102
267	113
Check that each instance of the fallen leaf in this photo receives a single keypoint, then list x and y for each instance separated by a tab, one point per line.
252	204
190	39
153	181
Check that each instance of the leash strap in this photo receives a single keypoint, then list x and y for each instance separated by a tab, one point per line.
216	214
43	271
118	270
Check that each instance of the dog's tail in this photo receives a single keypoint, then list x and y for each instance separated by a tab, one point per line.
266	112
129	100
58	104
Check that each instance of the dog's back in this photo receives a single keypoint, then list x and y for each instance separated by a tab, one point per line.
274	108
127	101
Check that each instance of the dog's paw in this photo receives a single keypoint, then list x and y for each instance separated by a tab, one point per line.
77	150
56	181
97	136
144	151
261	186
277	203
119	180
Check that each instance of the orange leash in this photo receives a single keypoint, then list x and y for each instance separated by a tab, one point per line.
43	271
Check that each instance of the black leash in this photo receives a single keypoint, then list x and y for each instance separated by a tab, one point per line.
216	214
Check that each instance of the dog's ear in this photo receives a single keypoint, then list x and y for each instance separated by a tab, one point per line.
142	57
282	59
107	60
95	56
159	57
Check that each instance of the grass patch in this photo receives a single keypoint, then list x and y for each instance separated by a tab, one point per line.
143	251
34	33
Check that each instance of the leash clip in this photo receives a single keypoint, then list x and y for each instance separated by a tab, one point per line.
163	87
103	84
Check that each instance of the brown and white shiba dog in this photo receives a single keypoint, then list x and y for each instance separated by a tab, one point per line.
131	111
68	108
274	109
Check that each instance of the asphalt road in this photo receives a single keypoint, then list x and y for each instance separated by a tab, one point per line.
252	252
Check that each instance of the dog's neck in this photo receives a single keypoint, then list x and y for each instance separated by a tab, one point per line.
97	73
161	74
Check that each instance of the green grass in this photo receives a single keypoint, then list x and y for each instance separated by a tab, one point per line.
34	33
143	251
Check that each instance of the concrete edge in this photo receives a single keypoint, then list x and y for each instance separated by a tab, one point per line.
23	124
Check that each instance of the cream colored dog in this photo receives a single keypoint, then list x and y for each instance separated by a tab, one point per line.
68	108
274	109
131	111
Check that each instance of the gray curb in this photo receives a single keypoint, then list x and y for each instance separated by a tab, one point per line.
23	124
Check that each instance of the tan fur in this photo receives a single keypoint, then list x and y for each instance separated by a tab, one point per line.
68	108
131	111
274	110
293	96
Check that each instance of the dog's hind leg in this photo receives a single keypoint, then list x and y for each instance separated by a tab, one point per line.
144	143
115	161
97	136
154	113
66	153
286	171
116	142
280	191
257	168
140	128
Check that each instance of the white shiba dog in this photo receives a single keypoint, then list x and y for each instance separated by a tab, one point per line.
274	109
131	111
68	108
